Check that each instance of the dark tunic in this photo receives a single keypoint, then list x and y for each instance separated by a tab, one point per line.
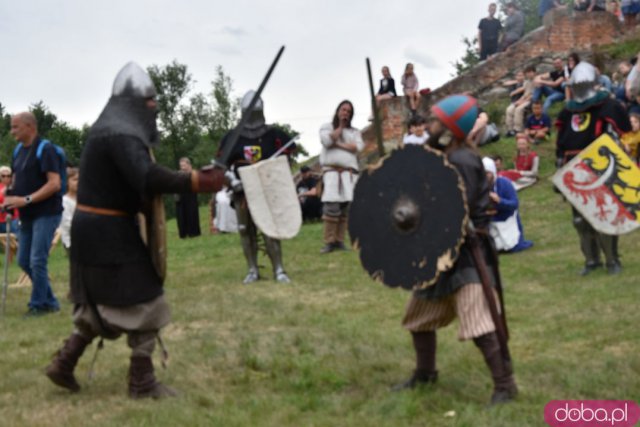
187	215
110	264
252	150
578	126
469	166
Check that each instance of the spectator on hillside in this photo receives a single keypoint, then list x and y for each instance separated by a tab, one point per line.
547	5
513	26
538	127
624	68
411	87
515	112
631	140
489	33
506	227
613	7
572	60
630	10
525	164
417	131
550	85
387	85
308	195
483	131
590	5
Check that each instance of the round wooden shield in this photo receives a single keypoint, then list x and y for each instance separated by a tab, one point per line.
408	217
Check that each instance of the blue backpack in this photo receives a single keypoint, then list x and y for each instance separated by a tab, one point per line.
61	156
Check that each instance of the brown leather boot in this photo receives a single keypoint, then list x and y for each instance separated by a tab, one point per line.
330	233
341	231
60	371
504	385
425	344
143	383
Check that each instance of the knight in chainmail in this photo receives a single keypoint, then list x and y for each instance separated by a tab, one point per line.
116	287
258	141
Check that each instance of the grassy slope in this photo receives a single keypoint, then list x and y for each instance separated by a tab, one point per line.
324	350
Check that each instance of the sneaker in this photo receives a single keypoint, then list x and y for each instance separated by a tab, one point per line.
510	133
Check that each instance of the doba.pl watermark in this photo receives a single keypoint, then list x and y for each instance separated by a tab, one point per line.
592	413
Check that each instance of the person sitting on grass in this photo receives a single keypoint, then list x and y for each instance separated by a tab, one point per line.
538	126
526	163
417	131
506	226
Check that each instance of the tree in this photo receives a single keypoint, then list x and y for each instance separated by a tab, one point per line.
225	108
183	117
46	119
470	57
300	150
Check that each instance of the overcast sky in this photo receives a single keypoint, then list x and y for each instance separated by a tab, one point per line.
67	52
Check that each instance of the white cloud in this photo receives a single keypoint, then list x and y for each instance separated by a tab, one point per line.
421	57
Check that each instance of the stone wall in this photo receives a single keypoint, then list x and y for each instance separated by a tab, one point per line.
564	31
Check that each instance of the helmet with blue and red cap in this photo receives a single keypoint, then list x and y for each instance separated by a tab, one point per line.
458	113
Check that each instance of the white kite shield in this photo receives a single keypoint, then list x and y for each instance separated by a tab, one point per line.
603	184
272	198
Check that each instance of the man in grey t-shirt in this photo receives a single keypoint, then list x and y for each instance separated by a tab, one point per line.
513	26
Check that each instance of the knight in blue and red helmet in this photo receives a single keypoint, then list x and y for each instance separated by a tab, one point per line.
458	292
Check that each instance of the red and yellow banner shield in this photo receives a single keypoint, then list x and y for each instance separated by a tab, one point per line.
603	184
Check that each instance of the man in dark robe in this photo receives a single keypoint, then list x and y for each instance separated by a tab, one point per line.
116	288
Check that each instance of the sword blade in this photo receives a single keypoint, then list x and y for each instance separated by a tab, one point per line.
287	145
235	135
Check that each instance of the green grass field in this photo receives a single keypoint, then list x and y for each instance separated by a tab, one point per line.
324	350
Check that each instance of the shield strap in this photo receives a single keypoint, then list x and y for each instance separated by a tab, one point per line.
499	318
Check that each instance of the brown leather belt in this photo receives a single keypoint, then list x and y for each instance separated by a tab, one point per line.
100	211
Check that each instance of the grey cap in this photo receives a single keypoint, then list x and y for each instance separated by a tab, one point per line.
132	80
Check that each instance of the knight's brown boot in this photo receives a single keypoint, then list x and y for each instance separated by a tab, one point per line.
330	233
504	385
143	383
341	231
60	371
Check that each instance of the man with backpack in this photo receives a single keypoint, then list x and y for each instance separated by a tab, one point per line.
36	193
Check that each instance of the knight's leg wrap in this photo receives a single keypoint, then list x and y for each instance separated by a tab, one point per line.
274	250
609	246
342	225
504	389
331	218
248	237
588	242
